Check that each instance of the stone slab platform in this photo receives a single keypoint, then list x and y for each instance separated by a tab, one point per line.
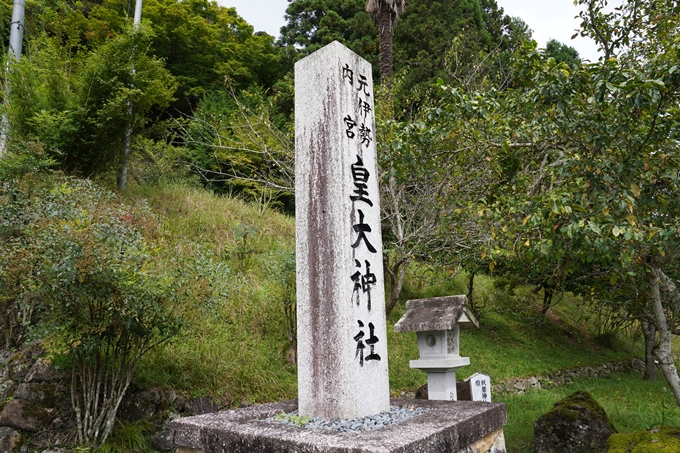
448	427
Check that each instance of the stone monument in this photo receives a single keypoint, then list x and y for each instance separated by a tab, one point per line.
342	340
480	387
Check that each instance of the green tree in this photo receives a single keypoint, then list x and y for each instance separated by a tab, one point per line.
77	266
311	24
235	144
77	104
427	31
562	53
582	192
200	42
203	43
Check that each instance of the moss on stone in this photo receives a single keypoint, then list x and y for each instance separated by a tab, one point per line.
663	440
37	412
569	408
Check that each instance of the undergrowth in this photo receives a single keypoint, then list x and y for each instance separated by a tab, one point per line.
237	351
240	350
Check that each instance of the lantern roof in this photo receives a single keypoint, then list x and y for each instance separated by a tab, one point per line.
436	313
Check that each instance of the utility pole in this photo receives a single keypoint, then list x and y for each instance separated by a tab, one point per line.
16	34
138	13
125	153
16	39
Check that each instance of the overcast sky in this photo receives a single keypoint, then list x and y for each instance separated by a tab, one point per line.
549	19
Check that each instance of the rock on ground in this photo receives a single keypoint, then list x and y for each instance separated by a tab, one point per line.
11	441
664	439
576	424
24	415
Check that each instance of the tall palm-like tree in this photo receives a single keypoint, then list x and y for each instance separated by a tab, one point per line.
385	13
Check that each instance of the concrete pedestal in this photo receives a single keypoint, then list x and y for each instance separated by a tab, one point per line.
448	427
442	386
441	376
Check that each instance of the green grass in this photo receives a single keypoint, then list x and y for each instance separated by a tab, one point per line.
631	404
512	341
236	351
129	437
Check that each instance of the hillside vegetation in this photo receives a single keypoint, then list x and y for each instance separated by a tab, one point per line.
230	268
237	351
546	187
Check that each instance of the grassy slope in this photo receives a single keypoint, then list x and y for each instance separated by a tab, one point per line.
237	351
512	341
631	404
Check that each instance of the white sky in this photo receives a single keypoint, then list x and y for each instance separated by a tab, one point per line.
549	19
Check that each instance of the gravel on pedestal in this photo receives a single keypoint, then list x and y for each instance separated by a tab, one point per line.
356	425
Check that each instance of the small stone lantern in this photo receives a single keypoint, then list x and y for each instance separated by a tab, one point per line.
437	322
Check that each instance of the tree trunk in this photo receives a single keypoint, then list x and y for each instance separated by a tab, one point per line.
385	34
663	353
16	37
125	152
397	274
649	332
470	291
547	302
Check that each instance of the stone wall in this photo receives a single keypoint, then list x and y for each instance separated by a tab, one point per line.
559	378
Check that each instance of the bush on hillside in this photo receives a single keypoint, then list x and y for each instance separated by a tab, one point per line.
77	269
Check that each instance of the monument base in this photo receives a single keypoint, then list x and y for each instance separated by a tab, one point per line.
447	427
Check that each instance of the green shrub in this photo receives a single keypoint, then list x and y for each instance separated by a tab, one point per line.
77	266
80	103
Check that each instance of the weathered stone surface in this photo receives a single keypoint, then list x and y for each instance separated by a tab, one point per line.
18	366
576	424
5	355
436	313
342	337
180	403
534	383
201	405
448	427
42	394
491	443
7	388
146	404
136	406
41	371
163	441
560	378
11	441
24	415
